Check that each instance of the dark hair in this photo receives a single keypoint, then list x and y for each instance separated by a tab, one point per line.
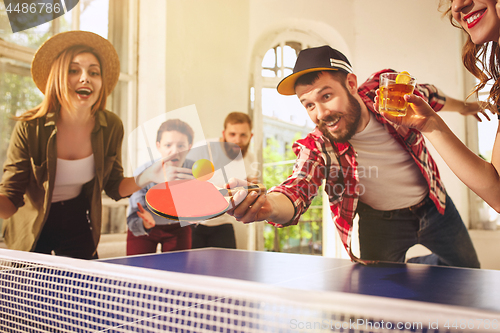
310	78
482	61
238	118
175	125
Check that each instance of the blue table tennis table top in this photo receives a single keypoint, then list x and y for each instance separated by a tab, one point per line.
471	288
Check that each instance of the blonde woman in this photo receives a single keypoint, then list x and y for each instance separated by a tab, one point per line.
66	151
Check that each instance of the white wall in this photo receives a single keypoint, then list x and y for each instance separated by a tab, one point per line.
152	66
200	52
207	58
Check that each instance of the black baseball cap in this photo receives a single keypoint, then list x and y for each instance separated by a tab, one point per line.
323	58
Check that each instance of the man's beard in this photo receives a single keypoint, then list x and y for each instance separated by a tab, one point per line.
233	153
351	117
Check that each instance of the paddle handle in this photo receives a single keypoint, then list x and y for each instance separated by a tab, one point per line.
229	192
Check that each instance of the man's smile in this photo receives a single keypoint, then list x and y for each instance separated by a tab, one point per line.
331	123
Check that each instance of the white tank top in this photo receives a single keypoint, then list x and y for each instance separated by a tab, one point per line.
70	177
388	175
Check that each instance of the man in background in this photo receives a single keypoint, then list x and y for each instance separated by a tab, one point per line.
224	231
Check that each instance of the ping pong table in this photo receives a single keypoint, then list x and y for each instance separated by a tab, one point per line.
223	290
472	288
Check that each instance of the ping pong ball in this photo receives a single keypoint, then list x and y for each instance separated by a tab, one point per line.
203	169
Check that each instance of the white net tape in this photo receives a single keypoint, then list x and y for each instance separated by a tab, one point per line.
42	293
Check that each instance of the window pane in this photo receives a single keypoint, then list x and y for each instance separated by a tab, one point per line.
94	16
18	93
289	56
486	129
33	37
269	59
486	136
268	73
285	108
278	56
252	97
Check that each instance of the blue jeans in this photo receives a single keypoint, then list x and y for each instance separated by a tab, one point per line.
387	235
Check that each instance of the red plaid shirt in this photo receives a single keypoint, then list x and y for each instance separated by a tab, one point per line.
317	159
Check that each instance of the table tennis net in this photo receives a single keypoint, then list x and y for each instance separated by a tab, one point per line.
42	293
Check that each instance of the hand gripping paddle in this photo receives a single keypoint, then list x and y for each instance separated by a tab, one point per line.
192	200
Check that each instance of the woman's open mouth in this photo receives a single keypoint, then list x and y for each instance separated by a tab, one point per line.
84	92
474	18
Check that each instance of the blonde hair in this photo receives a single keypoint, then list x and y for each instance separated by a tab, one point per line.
56	91
481	60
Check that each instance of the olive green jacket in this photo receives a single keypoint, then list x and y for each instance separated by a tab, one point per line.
30	169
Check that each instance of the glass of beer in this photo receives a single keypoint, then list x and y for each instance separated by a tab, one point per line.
392	89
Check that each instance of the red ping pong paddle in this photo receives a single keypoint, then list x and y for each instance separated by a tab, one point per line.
192	200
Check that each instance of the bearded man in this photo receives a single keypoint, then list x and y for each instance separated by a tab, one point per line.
372	167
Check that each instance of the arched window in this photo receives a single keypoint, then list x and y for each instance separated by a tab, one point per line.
279	60
274	61
283	116
280	121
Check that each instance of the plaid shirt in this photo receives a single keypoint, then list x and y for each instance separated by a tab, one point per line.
317	159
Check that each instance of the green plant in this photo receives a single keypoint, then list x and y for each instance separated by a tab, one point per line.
274	174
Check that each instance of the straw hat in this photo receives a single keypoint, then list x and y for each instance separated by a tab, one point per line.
50	50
